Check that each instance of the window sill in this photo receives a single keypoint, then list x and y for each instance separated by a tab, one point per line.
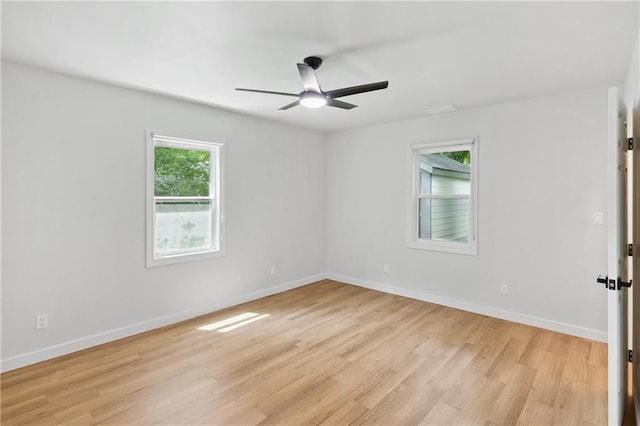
183	258
445	247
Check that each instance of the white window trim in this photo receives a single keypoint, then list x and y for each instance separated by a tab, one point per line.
169	141
414	151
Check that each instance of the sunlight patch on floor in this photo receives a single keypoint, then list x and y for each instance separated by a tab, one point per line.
233	322
240	324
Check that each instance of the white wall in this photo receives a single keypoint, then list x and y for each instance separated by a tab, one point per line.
542	167
73	213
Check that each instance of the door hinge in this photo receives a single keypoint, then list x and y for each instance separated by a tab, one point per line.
630	249
630	355
630	144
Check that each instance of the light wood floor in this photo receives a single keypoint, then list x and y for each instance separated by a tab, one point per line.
327	353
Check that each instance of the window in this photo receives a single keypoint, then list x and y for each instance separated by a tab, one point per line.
184	200
443	202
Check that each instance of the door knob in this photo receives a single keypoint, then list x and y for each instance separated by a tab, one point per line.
611	283
623	283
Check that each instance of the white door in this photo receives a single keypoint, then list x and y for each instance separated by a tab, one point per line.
617	259
635	200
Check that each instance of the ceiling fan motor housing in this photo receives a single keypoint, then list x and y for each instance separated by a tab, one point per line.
313	61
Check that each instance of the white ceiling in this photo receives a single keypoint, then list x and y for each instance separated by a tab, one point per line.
432	53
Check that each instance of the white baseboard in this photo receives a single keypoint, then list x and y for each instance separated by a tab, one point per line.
130	330
560	327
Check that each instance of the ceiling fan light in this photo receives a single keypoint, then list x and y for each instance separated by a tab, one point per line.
312	100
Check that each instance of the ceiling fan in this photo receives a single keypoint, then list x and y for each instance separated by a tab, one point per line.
313	96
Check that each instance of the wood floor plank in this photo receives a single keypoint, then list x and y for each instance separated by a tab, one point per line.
477	409
568	403
441	414
403	405
505	365
385	382
514	395
535	413
327	353
546	385
452	373
345	414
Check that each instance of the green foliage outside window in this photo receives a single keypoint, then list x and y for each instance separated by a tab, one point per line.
463	157
181	172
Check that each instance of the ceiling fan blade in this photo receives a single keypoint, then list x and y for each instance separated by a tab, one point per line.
291	105
309	80
340	104
338	93
268	92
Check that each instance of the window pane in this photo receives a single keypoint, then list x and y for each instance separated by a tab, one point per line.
183	226
425	181
424	218
446	173
181	172
443	219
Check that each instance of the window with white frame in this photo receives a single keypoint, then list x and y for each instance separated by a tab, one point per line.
444	196
184	199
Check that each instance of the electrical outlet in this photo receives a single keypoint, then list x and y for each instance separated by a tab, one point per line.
272	270
386	268
504	289
41	321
